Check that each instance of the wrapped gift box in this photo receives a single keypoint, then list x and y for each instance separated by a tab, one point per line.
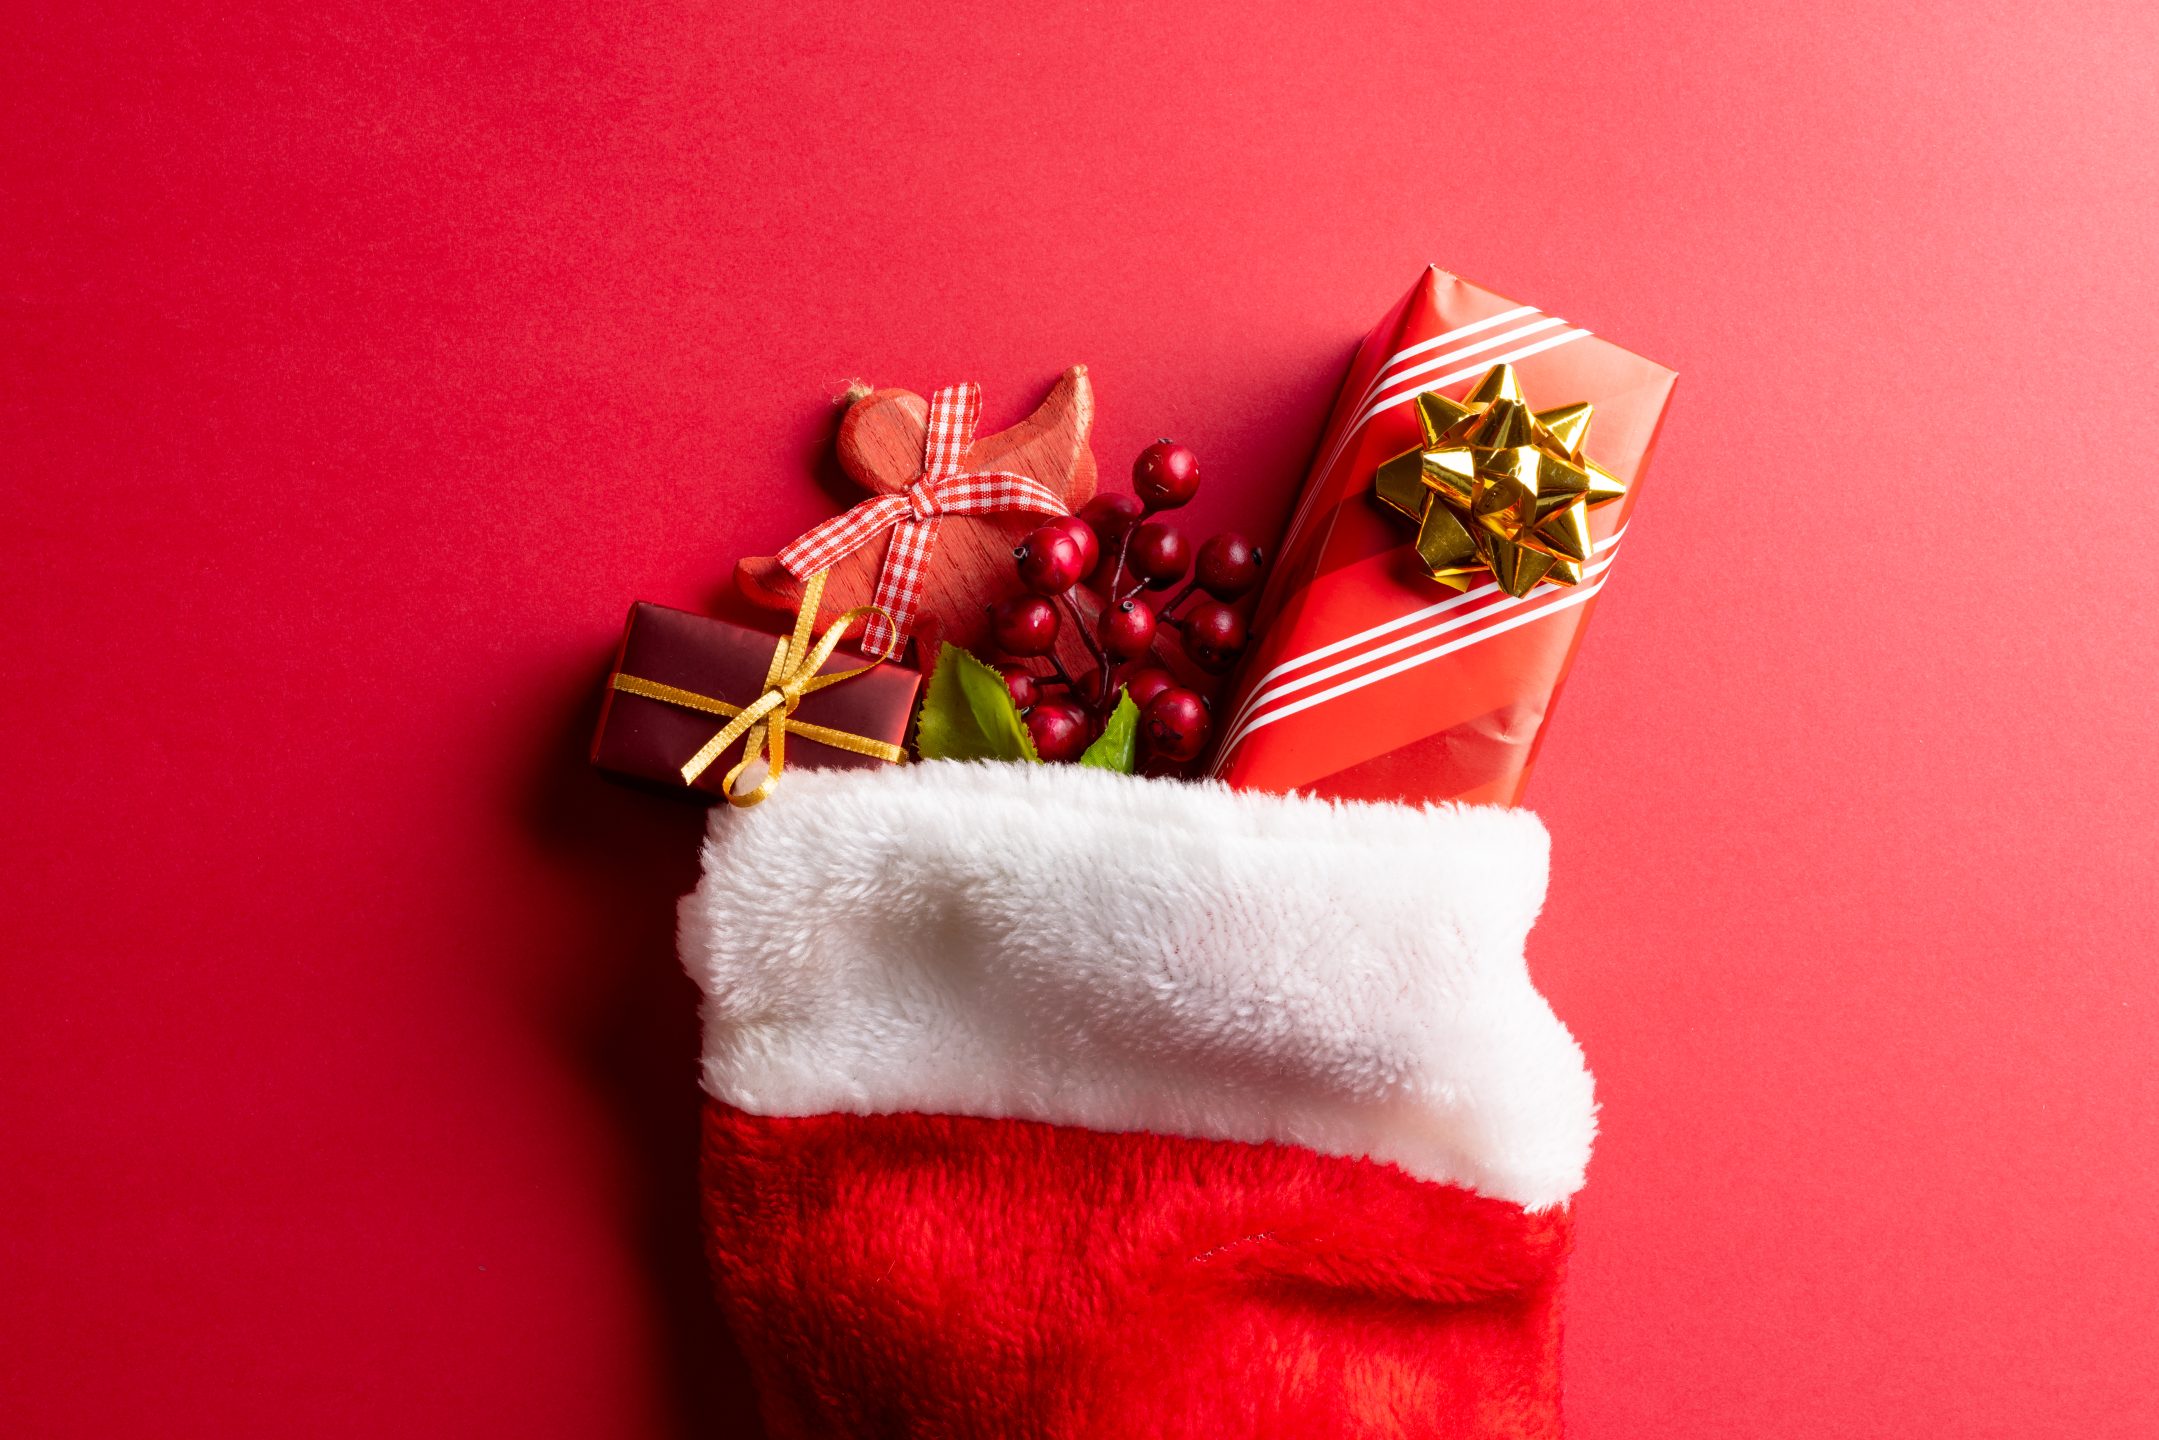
1370	680
647	740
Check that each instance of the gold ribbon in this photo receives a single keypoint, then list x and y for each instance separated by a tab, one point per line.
768	719
1498	486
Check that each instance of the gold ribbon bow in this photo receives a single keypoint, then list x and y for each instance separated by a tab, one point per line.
1497	486
768	719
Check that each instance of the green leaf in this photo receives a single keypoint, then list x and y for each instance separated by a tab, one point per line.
1117	747
968	714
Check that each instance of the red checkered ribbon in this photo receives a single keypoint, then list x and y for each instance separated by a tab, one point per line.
914	515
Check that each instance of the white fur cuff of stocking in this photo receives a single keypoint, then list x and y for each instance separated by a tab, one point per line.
1055	943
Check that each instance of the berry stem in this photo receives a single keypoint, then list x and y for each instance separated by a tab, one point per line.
1179	598
1064	677
1124	548
1101	657
1109	685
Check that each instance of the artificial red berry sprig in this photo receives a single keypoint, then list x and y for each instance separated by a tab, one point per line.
1126	553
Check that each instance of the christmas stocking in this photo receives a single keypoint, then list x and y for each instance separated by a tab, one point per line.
1046	1101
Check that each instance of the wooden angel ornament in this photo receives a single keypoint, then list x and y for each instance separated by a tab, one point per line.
933	544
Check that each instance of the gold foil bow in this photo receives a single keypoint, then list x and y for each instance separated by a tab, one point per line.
1497	486
767	720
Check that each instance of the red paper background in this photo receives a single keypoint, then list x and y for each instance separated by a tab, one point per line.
361	362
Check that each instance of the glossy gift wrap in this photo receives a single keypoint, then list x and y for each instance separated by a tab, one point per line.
1465	510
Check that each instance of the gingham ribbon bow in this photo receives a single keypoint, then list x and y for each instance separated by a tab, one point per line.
914	515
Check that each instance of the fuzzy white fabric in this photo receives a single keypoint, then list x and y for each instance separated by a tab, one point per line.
1055	943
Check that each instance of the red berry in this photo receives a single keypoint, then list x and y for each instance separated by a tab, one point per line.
1059	730
1082	535
1214	636
1050	561
1160	554
1228	565
1165	475
1127	629
1147	682
1024	687
1110	516
1174	724
1024	625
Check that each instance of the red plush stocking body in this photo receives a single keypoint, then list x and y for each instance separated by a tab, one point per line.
1054	1103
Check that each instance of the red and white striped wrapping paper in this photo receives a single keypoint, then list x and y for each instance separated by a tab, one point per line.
1369	681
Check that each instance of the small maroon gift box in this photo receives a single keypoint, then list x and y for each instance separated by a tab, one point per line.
647	739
